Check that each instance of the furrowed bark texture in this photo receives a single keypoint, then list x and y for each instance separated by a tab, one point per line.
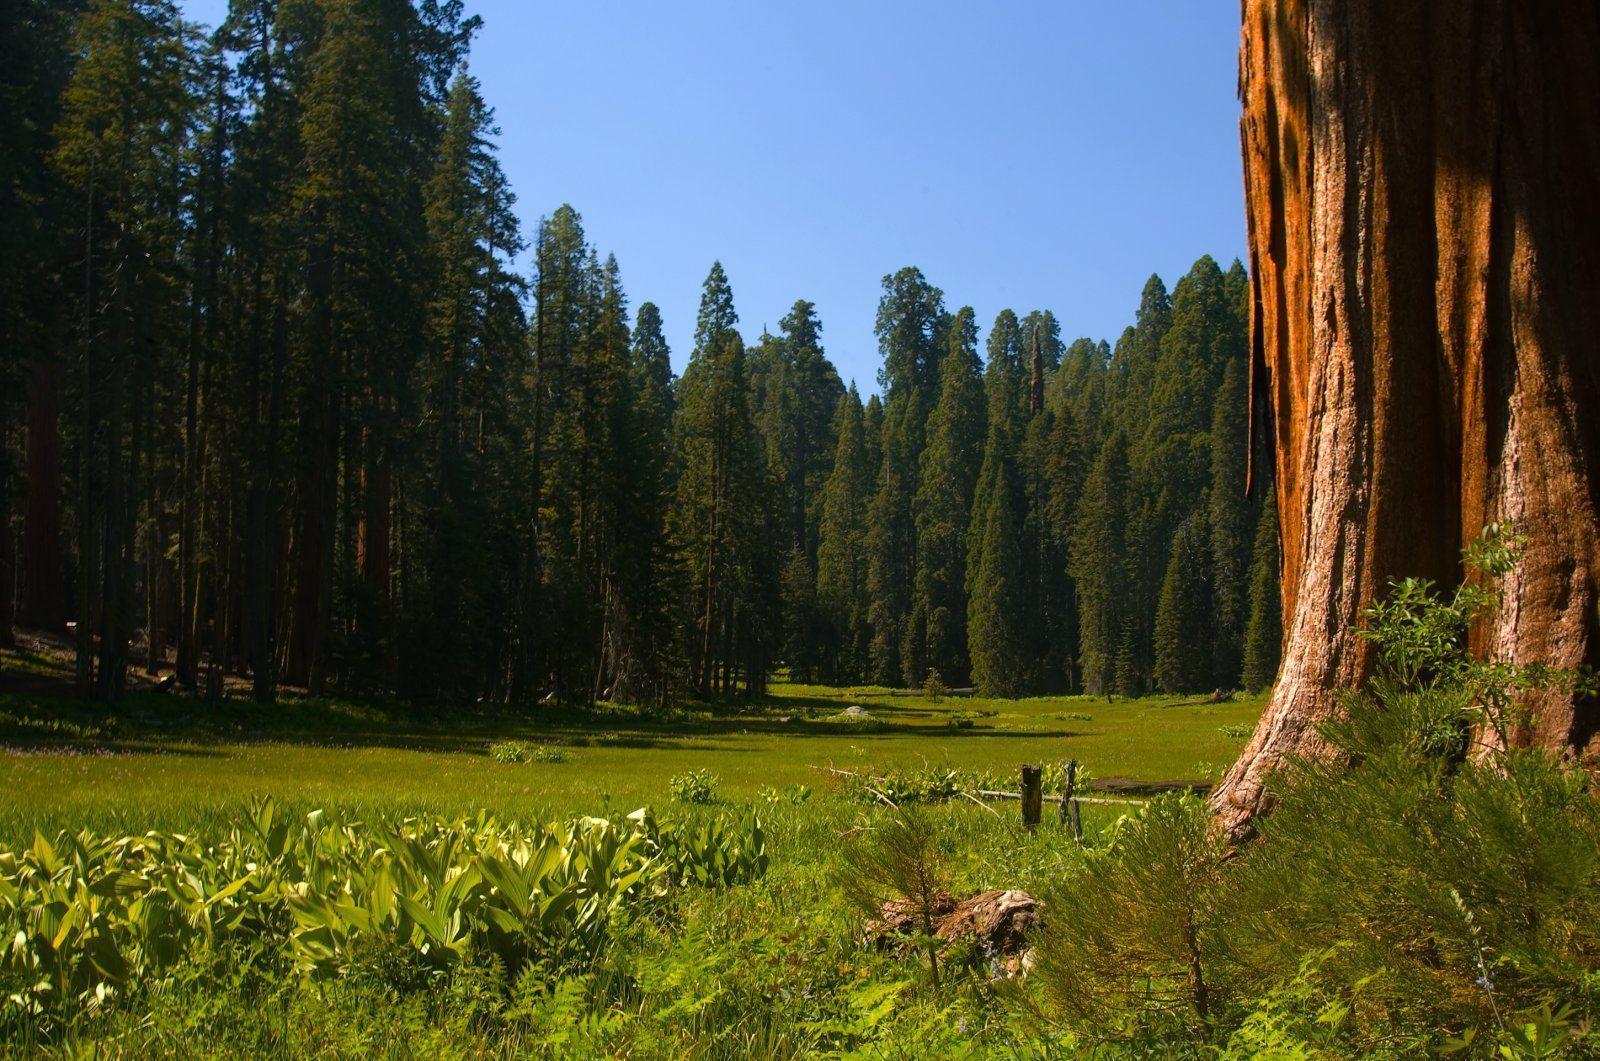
1422	183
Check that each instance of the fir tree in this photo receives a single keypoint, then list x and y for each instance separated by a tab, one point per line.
997	614
1263	644
795	391
1048	608
644	655
1101	572
1230	519
841	549
1184	623
471	230
125	114
909	327
948	475
723	509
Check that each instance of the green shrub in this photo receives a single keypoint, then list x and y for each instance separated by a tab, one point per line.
1136	932
898	858
516	751
400	904
1426	887
696	786
712	852
794	795
927	784
855	723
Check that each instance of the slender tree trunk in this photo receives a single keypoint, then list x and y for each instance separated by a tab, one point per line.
88	540
1423	190
8	541
41	599
315	494
375	549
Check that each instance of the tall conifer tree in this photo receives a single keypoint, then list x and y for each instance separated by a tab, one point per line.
910	325
842	549
947	477
1263	644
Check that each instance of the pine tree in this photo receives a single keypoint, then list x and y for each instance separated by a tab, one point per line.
1184	623
359	192
841	548
120	152
1048	609
1230	520
554	610
35	242
910	325
947	478
723	509
471	232
1006	374
1133	362
644	654
1172	455
996	615
1101	571
1064	467
795	391
259	292
891	538
1263	644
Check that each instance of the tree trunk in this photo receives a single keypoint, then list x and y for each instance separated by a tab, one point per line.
8	548
42	596
1423	192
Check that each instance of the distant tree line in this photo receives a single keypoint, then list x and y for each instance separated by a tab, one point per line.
275	402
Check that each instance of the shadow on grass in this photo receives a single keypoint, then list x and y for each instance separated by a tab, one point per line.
25	747
171	723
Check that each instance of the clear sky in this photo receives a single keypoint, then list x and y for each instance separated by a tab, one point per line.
1036	154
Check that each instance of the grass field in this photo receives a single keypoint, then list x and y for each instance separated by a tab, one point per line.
771	968
168	762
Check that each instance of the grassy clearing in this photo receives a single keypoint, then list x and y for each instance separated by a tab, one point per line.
166	762
772	968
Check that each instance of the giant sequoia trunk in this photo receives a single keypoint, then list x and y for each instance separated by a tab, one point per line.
1423	190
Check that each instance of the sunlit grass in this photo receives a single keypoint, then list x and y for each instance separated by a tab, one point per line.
166	762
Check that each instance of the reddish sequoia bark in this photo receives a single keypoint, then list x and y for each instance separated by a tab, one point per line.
1423	192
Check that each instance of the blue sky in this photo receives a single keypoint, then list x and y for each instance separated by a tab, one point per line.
1024	154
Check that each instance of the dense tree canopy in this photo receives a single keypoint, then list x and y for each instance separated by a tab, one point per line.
275	401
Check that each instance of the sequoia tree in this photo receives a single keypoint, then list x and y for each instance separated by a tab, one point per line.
1424	212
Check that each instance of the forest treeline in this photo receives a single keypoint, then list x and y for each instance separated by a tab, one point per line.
277	402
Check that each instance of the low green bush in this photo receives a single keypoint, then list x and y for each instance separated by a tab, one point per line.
851	722
1429	887
516	751
696	786
86	918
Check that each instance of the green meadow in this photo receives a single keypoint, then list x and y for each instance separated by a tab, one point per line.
168	762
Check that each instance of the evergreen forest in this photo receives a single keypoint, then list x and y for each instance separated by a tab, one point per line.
287	393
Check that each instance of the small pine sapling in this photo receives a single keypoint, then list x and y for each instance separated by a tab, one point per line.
899	860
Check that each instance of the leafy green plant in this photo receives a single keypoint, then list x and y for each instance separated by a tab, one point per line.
711	852
794	795
1428	886
855	723
696	786
516	751
403	903
508	751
